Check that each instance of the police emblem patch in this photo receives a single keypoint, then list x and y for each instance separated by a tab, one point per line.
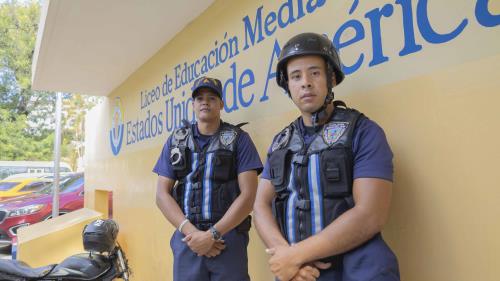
281	140
333	131
227	137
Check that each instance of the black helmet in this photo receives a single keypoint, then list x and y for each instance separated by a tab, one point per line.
309	44
100	236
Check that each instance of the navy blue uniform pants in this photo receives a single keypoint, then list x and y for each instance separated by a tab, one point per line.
372	261
230	265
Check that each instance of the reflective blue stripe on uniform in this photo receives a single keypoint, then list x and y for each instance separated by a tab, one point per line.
315	194
207	187
189	184
290	208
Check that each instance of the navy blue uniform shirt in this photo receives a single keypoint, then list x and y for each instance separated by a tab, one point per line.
247	157
372	154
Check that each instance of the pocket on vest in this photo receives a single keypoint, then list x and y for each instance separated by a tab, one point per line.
277	168
335	176
224	166
333	208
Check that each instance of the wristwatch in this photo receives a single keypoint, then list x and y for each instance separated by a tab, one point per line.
215	234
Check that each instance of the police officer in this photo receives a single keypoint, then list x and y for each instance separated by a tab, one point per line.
327	178
207	179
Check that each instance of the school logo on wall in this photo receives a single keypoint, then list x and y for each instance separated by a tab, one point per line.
116	132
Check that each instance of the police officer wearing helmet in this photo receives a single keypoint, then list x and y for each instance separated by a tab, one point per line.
207	179
325	191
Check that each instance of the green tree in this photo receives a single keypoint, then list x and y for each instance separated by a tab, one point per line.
26	116
18	27
17	144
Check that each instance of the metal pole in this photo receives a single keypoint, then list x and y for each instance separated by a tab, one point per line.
57	156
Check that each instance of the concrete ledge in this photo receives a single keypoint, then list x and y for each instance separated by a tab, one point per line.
53	240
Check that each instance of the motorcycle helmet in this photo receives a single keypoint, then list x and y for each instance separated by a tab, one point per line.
100	235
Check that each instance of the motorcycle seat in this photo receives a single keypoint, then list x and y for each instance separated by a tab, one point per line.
13	269
82	267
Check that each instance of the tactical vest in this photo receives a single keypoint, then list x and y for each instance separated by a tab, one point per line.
313	184
208	180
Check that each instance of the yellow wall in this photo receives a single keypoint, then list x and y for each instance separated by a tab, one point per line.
437	106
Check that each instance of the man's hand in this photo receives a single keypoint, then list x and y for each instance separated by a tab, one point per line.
310	272
216	249
200	242
306	273
283	262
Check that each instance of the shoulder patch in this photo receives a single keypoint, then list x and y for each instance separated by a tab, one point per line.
333	131
227	137
281	140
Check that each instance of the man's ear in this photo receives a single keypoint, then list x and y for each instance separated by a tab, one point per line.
221	104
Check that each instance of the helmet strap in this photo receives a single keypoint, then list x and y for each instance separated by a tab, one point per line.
322	112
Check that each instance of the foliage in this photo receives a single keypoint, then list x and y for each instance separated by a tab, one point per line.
27	117
16	144
18	27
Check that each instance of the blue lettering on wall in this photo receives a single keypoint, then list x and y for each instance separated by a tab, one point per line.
230	83
252	31
428	32
271	74
408	31
484	16
285	10
375	17
246	79
285	16
238	88
358	36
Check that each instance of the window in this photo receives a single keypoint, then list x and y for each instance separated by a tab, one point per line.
7	185
68	184
34	186
6	171
35	170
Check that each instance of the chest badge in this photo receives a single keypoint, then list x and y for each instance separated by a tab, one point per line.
333	131
281	139
227	137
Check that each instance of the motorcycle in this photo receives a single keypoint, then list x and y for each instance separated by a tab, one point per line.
103	261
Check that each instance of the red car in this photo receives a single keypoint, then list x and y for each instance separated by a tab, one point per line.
36	207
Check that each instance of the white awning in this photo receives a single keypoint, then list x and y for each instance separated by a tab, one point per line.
92	46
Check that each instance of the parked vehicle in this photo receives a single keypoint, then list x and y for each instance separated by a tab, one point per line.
21	186
36	175
37	206
8	168
104	260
